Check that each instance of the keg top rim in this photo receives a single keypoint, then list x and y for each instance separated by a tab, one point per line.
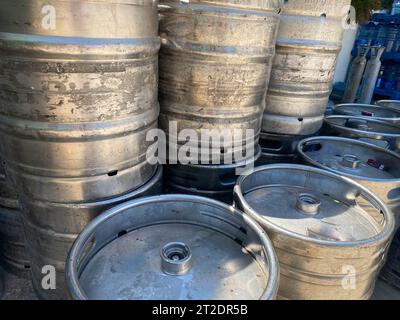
363	144
387	101
382	236
80	245
338	109
331	121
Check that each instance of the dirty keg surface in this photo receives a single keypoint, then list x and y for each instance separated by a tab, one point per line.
130	267
278	205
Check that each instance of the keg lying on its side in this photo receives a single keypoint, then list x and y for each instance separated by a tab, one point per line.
394	104
328	246
173	247
13	255
212	181
368	111
380	133
375	168
278	148
50	248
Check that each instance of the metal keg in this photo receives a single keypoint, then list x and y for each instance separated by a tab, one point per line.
13	255
77	103
375	168
309	41
328	247
212	181
368	111
51	229
380	133
78	100
394	104
215	63
173	247
278	148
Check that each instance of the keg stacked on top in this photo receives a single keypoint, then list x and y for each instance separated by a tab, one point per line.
309	41
13	255
78	93
215	63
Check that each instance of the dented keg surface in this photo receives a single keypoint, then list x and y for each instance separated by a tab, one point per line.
13	255
212	181
309	41
173	247
319	231
368	111
375	168
215	63
391	272
51	229
380	133
394	104
78	101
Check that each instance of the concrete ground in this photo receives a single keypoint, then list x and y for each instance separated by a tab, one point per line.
16	288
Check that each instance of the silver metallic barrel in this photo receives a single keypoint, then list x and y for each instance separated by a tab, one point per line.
328	246
13	254
380	133
78	90
368	111
395	104
173	247
215	63
309	40
51	229
78	100
375	168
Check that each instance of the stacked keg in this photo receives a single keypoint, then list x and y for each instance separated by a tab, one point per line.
13	255
309	41
328	247
215	63
391	271
78	90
